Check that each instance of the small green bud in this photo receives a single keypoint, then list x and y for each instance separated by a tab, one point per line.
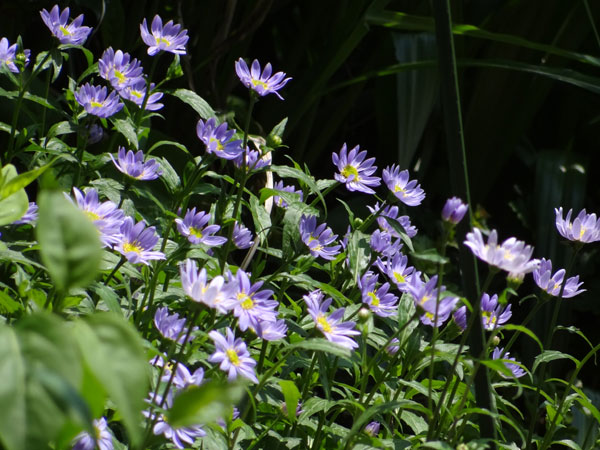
495	341
274	140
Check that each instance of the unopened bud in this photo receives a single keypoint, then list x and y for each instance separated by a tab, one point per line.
495	341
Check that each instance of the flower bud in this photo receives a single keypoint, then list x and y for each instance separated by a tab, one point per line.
495	341
454	210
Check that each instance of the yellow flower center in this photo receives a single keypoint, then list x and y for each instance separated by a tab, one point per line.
430	316
132	247
398	189
582	231
246	301
122	78
488	318
137	94
162	40
220	146
399	278
92	215
196	232
233	357
64	31
508	255
374	299
350	170
96	104
260	83
325	326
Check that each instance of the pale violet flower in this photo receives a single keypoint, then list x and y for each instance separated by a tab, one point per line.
85	441
8	55
119	69
137	242
584	228
214	294
354	171
407	191
492	313
133	165
509	362
194	226
168	38
331	325
232	355
318	239
106	216
262	83
74	33
95	101
552	283
454	210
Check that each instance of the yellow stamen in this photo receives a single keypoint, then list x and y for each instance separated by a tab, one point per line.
260	83
374	299
196	232
64	31
96	104
325	326
92	215
122	78
233	357
132	247
399	278
162	40
350	170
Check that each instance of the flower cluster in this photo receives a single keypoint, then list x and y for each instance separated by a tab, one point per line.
8	55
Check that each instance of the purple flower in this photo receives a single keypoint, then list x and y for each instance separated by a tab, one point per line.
585	228
262	84
381	242
454	210
218	139
254	160
517	371
271	331
250	304
133	165
85	441
318	238
30	215
355	171
195	228
390	214
331	325
426	295
183	378
397	270
8	54
233	356
380	301
181	437
170	325
95	133
214	294
107	217
137	242
95	101
119	69
393	348
242	236
372	429
279	201
136	92
299	409
512	255
168	38
73	33
492	313
460	317
552	283
408	192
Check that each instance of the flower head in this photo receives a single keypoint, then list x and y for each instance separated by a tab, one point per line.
390	214
95	100
426	296
73	33
242	236
262	84
408	192
233	356
254	160
355	171
218	139
106	216
454	210
382	242
195	285
517	371
119	69
30	215
492	313
331	325
512	255
169	38
137	242
196	229
397	270
552	283
372	429
136	92
133	165
585	228
318	238
380	300
279	186
170	325
8	54
460	317
85	441
271	331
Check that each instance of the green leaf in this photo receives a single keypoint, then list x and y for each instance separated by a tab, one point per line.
552	355
13	426
14	205
169	175
23	180
174	70
291	172
204	404
127	129
69	241
113	351
430	255
359	253
291	394
195	101
158	144
322	345
262	219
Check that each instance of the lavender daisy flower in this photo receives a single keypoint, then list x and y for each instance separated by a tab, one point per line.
242	236
195	228
552	283
460	317
331	325
585	228
133	165
181	437
426	295
317	239
169	38
454	210
8	55
170	325
254	160
408	192
119	69
136	92
137	242
393	348
264	83
279	201
218	139
517	371
390	213
372	429
106	216
195	285
355	171
233	356
95	101
381	242
512	255
183	378
397	270
271	331
73	33
493	314
30	215
251	305
380	301
85	441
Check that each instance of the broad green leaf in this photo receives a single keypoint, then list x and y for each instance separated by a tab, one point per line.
359	253
204	404
291	394
169	175
12	206
552	355
262	219
322	345
430	255
158	144
13	424
127	129
15	184
195	101
69	241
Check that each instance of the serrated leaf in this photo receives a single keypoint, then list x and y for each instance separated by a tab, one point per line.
127	129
